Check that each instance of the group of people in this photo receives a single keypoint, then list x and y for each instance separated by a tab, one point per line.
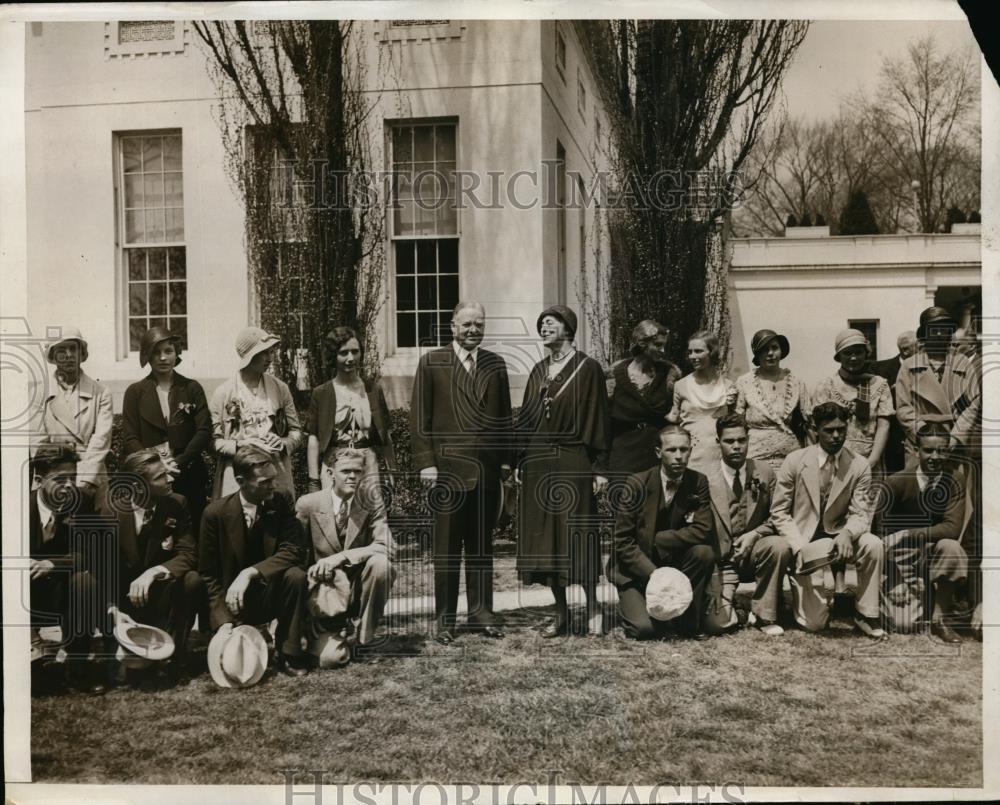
756	480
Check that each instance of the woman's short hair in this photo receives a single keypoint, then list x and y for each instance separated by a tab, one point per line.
711	341
334	341
247	459
644	332
827	412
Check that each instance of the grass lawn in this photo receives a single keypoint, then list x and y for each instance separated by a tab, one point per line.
803	709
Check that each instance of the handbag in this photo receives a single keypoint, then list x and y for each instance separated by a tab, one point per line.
280	423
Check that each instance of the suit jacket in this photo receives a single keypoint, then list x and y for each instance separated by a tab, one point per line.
167	540
367	529
638	546
795	508
462	428
757	493
323	412
222	547
143	424
920	395
64	550
888	369
900	507
85	426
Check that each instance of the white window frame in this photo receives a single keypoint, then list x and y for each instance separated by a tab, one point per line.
122	314
392	335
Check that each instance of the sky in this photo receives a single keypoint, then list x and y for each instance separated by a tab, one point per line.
837	57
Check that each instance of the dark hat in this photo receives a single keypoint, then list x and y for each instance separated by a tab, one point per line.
561	312
934	315
152	337
762	338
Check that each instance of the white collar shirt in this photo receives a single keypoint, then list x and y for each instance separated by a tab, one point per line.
249	511
729	474
463	355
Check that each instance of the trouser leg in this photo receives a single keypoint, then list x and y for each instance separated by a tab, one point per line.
769	560
635	619
477	536
869	558
698	564
374	585
447	561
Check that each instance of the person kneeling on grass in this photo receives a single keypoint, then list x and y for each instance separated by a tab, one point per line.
749	549
252	558
921	511
158	583
822	492
352	548
665	521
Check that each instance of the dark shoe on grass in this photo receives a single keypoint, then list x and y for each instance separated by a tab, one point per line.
293	666
944	632
444	637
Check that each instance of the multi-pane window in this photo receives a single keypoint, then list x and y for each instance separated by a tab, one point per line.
153	255
561	54
424	232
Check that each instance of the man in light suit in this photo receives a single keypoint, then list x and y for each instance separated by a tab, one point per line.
823	490
461	432
748	547
77	412
667	523
347	533
252	558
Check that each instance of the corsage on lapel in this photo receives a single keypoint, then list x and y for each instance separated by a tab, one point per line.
169	524
754	484
689	517
234	414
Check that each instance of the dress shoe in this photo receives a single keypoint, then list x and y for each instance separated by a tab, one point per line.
770	628
444	637
85	677
944	632
700	637
870	627
555	629
492	632
293	666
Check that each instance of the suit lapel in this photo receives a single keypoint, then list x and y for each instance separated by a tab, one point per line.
651	506
720	499
752	474
236	527
354	523
810	476
460	376
839	482
129	539
149	405
64	415
327	522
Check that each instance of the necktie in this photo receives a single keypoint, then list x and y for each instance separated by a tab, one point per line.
251	517
147	518
471	363
825	479
737	486
49	529
342	518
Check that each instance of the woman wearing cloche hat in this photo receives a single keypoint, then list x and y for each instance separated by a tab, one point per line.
771	399
254	407
865	395
169	412
77	411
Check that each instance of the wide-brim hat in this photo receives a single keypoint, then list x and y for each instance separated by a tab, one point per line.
152	337
849	338
331	650
237	658
816	555
762	338
935	315
138	640
252	341
668	593
561	312
68	334
329	599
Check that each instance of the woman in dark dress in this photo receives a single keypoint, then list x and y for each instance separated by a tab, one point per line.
563	433
642	393
169	412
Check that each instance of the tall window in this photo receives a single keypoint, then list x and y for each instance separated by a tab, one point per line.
870	328
150	192
560	54
561	223
424	232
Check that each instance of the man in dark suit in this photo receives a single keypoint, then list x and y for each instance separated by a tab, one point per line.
461	431
63	589
348	532
252	558
895	453
921	512
666	523
157	582
748	546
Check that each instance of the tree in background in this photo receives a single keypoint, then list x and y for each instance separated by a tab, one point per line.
687	101
915	127
857	217
294	122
